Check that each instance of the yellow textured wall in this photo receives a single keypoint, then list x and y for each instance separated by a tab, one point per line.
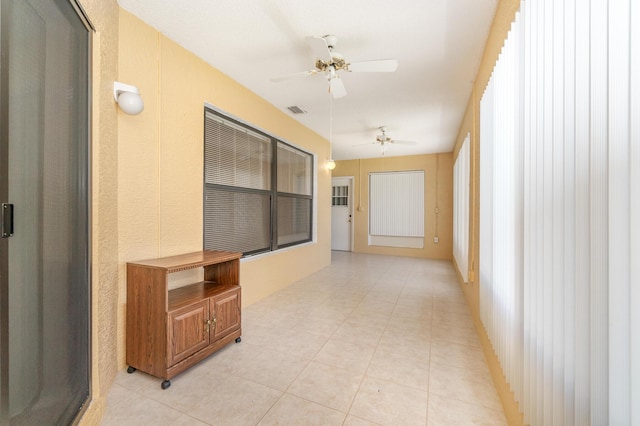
147	175
505	15
438	170
160	163
103	14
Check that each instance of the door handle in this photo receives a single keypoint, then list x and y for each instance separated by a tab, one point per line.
7	220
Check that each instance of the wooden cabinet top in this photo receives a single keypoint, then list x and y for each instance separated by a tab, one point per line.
186	261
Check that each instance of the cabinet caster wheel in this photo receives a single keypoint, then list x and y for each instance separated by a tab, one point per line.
238	339
131	369
165	384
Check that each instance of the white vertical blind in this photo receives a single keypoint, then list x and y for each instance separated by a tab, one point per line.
598	191
559	209
501	212
620	220
397	204
461	173
582	388
634	210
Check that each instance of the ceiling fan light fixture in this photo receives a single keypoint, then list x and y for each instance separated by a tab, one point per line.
331	40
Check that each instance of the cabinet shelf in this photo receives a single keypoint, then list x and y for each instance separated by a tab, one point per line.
168	331
189	294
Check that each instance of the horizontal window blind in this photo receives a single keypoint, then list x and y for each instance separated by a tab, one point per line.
294	170
238	221
294	201
293	220
236	156
294	195
559	202
396	204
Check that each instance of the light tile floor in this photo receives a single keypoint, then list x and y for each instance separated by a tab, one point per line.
369	340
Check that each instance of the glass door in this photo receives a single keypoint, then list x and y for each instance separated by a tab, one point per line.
44	191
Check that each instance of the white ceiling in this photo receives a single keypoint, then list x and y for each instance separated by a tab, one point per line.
438	45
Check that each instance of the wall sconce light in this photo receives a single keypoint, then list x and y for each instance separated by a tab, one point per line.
128	98
331	164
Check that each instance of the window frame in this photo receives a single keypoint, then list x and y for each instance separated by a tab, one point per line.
273	192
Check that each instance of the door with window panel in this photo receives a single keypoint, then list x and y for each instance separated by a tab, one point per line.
341	214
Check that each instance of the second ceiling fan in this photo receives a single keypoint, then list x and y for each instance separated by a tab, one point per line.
385	140
329	62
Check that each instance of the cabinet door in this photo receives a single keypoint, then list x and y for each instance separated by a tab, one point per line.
188	331
226	311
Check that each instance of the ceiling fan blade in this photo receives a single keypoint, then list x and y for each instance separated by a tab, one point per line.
363	144
294	75
320	48
336	87
382	65
403	142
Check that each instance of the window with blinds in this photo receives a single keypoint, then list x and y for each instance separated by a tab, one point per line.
294	195
396	214
461	173
559	190
258	191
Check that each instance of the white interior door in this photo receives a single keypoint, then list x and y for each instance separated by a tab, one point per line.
341	213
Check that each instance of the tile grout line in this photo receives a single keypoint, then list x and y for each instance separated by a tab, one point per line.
364	376
430	358
285	391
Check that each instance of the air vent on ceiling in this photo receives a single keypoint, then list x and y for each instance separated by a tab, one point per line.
296	109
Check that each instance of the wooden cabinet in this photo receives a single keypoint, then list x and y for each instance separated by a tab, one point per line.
168	331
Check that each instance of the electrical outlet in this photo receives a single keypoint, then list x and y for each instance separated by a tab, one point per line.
436	240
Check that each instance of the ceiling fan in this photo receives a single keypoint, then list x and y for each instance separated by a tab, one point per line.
384	140
329	62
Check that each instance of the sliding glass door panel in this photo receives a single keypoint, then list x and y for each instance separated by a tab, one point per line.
44	264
